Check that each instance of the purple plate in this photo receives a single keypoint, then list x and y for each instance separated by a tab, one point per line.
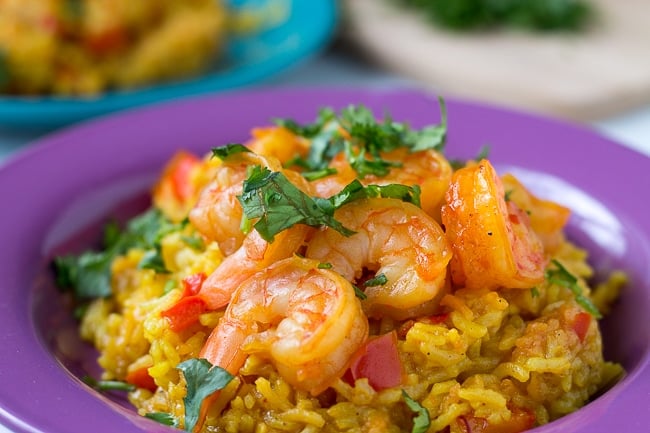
58	190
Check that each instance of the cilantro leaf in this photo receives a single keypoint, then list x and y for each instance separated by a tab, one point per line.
363	139
562	277
359	293
527	14
224	152
378	280
431	137
202	379
325	116
355	190
88	274
163	418
422	421
278	204
271	199
153	259
108	385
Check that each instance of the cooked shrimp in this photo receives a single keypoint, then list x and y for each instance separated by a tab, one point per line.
252	256
218	213
215	292
427	169
329	185
306	320
395	239
547	218
493	243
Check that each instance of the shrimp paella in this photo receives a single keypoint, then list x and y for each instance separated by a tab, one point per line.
344	275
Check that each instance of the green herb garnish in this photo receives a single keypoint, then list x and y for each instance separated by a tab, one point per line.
202	379
368	140
163	418
378	280
88	274
108	385
194	242
422	421
276	204
562	277
153	260
359	293
224	152
536	15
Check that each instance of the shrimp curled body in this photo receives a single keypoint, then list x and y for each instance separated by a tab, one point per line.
396	240
306	320
493	242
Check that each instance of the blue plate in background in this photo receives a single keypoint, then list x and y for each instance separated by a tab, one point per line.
296	30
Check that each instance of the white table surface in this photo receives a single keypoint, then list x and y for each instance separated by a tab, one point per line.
631	129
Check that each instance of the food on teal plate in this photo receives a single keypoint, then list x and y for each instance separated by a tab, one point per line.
85	47
344	275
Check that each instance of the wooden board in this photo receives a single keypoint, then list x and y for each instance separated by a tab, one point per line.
586	76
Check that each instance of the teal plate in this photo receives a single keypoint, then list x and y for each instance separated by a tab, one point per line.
295	31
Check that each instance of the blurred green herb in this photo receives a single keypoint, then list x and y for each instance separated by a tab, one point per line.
560	276
108	385
534	15
88	274
356	132
163	418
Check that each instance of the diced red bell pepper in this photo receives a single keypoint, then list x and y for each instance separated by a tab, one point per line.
141	378
186	311
580	324
379	362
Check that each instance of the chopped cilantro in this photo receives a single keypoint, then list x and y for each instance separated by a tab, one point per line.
163	418
88	274
356	131
108	385
562	277
378	280
224	152
271	199
533	15
153	260
325	116
534	292
193	242
324	266
359	293
277	204
202	379
422	421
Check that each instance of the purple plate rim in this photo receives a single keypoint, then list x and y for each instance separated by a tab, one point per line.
38	395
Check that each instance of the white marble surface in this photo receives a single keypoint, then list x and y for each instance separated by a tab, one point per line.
631	129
